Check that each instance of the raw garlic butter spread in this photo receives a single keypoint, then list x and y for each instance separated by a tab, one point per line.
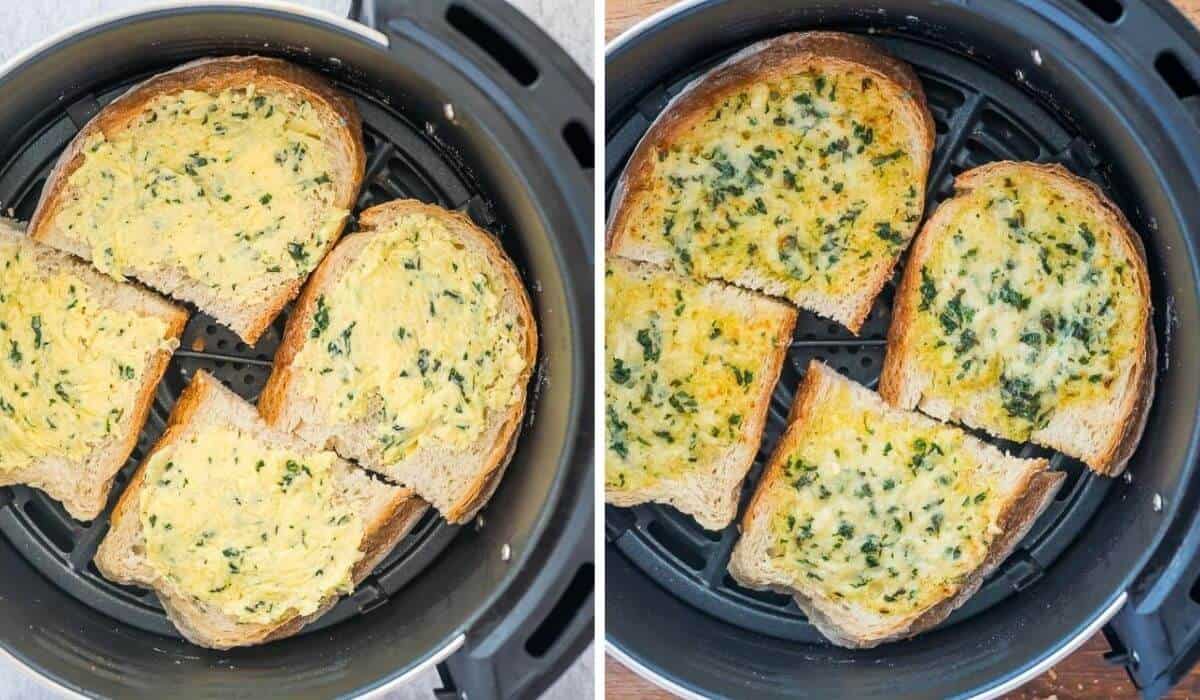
257	532
415	331
225	187
70	367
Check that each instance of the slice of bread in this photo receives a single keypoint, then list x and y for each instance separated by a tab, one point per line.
222	182
205	410
880	522
81	357
410	351
689	367
796	167
1025	311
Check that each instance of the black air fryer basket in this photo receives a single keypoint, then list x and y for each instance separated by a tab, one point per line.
1107	88
467	105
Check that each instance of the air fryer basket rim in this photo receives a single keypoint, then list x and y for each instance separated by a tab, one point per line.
568	252
639	77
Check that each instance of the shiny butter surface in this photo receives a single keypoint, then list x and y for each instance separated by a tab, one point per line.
1027	305
800	185
682	365
234	189
415	336
70	367
259	533
879	513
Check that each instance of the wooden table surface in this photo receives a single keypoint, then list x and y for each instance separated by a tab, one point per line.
1084	674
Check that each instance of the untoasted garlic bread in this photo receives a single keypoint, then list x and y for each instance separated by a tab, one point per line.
1025	311
797	168
222	182
410	351
690	368
80	356
880	522
246	533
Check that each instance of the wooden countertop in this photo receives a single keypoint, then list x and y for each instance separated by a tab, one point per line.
1084	674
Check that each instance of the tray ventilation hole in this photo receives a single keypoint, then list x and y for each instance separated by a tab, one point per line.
50	526
564	611
493	43
580	142
1107	10
1177	75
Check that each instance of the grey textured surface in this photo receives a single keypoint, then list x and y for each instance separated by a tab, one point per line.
26	22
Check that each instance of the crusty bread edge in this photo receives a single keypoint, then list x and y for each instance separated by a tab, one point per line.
747	445
379	535
275	394
1015	522
755	63
212	73
1109	459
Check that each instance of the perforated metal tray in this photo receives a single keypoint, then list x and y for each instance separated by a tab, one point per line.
402	162
980	117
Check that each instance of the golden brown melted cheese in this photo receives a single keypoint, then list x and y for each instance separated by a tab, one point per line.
1027	305
878	511
802	185
414	336
682	364
70	367
258	532
233	188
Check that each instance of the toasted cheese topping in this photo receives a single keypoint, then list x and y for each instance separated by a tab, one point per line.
880	512
70	367
258	532
799	186
233	188
684	370
1027	306
415	337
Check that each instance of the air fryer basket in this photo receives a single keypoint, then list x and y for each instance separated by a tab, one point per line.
1040	81
442	123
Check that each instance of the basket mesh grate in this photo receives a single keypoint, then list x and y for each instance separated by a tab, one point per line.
401	163
980	117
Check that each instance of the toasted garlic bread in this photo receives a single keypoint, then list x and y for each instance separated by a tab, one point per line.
881	521
690	368
1025	311
797	168
80	356
410	351
246	533
222	182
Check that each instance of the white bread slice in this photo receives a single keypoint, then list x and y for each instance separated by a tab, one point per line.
1055	260
388	513
267	291
881	471
83	485
719	353
457	481
797	167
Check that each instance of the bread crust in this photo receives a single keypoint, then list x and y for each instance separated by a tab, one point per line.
772	58
275	396
380	535
212	75
1037	491
1109	458
85	499
737	462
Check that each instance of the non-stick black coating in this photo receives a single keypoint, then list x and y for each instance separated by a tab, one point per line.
534	185
1147	142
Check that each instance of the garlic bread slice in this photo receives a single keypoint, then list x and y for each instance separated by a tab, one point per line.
879	521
